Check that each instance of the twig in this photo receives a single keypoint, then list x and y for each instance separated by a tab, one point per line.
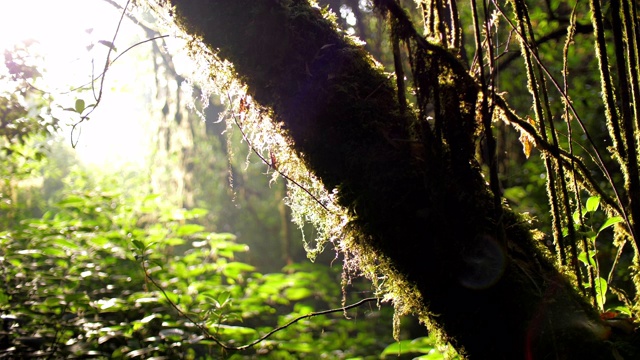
271	165
600	161
208	334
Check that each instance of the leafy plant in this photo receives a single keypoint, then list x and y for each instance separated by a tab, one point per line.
588	230
77	283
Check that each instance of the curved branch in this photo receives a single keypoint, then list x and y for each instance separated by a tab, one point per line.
564	158
210	336
554	35
600	162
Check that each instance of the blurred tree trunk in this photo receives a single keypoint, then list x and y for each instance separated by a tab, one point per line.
418	201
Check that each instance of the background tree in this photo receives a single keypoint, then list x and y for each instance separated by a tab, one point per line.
402	191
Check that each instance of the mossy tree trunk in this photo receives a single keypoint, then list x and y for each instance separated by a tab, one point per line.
413	188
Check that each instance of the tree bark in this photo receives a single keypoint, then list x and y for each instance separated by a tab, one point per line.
480	274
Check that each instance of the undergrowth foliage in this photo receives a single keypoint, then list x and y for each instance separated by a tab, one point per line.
108	275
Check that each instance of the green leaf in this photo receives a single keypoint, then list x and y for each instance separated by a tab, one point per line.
99	241
66	244
151	197
109	305
576	218
610	222
76	297
80	106
189	229
223	298
601	291
138	244
233	331
4	298
621	309
174	241
592	203
171	334
297	347
422	345
590	261
146	319
195	213
72	201
297	293
52	251
234	269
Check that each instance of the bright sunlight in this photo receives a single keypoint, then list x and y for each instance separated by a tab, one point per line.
72	37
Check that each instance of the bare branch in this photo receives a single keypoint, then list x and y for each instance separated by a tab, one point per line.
210	336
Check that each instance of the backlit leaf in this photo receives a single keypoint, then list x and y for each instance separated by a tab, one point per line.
80	106
189	229
610	222
592	203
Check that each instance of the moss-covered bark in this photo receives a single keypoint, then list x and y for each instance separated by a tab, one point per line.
420	203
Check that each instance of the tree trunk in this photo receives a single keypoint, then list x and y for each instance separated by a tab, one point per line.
482	278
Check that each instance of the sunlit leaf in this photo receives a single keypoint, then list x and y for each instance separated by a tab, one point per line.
188	229
422	345
65	243
146	300
303	308
79	106
140	352
610	222
526	140
146	319
590	261
72	201
297	346
622	309
233	269
223	298
576	217
601	288
4	298
297	293
99	241
16	263
233	331
174	241
151	197
138	244
174	298
76	297
53	301
195	213
51	251
592	204
29	252
172	334
107	303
